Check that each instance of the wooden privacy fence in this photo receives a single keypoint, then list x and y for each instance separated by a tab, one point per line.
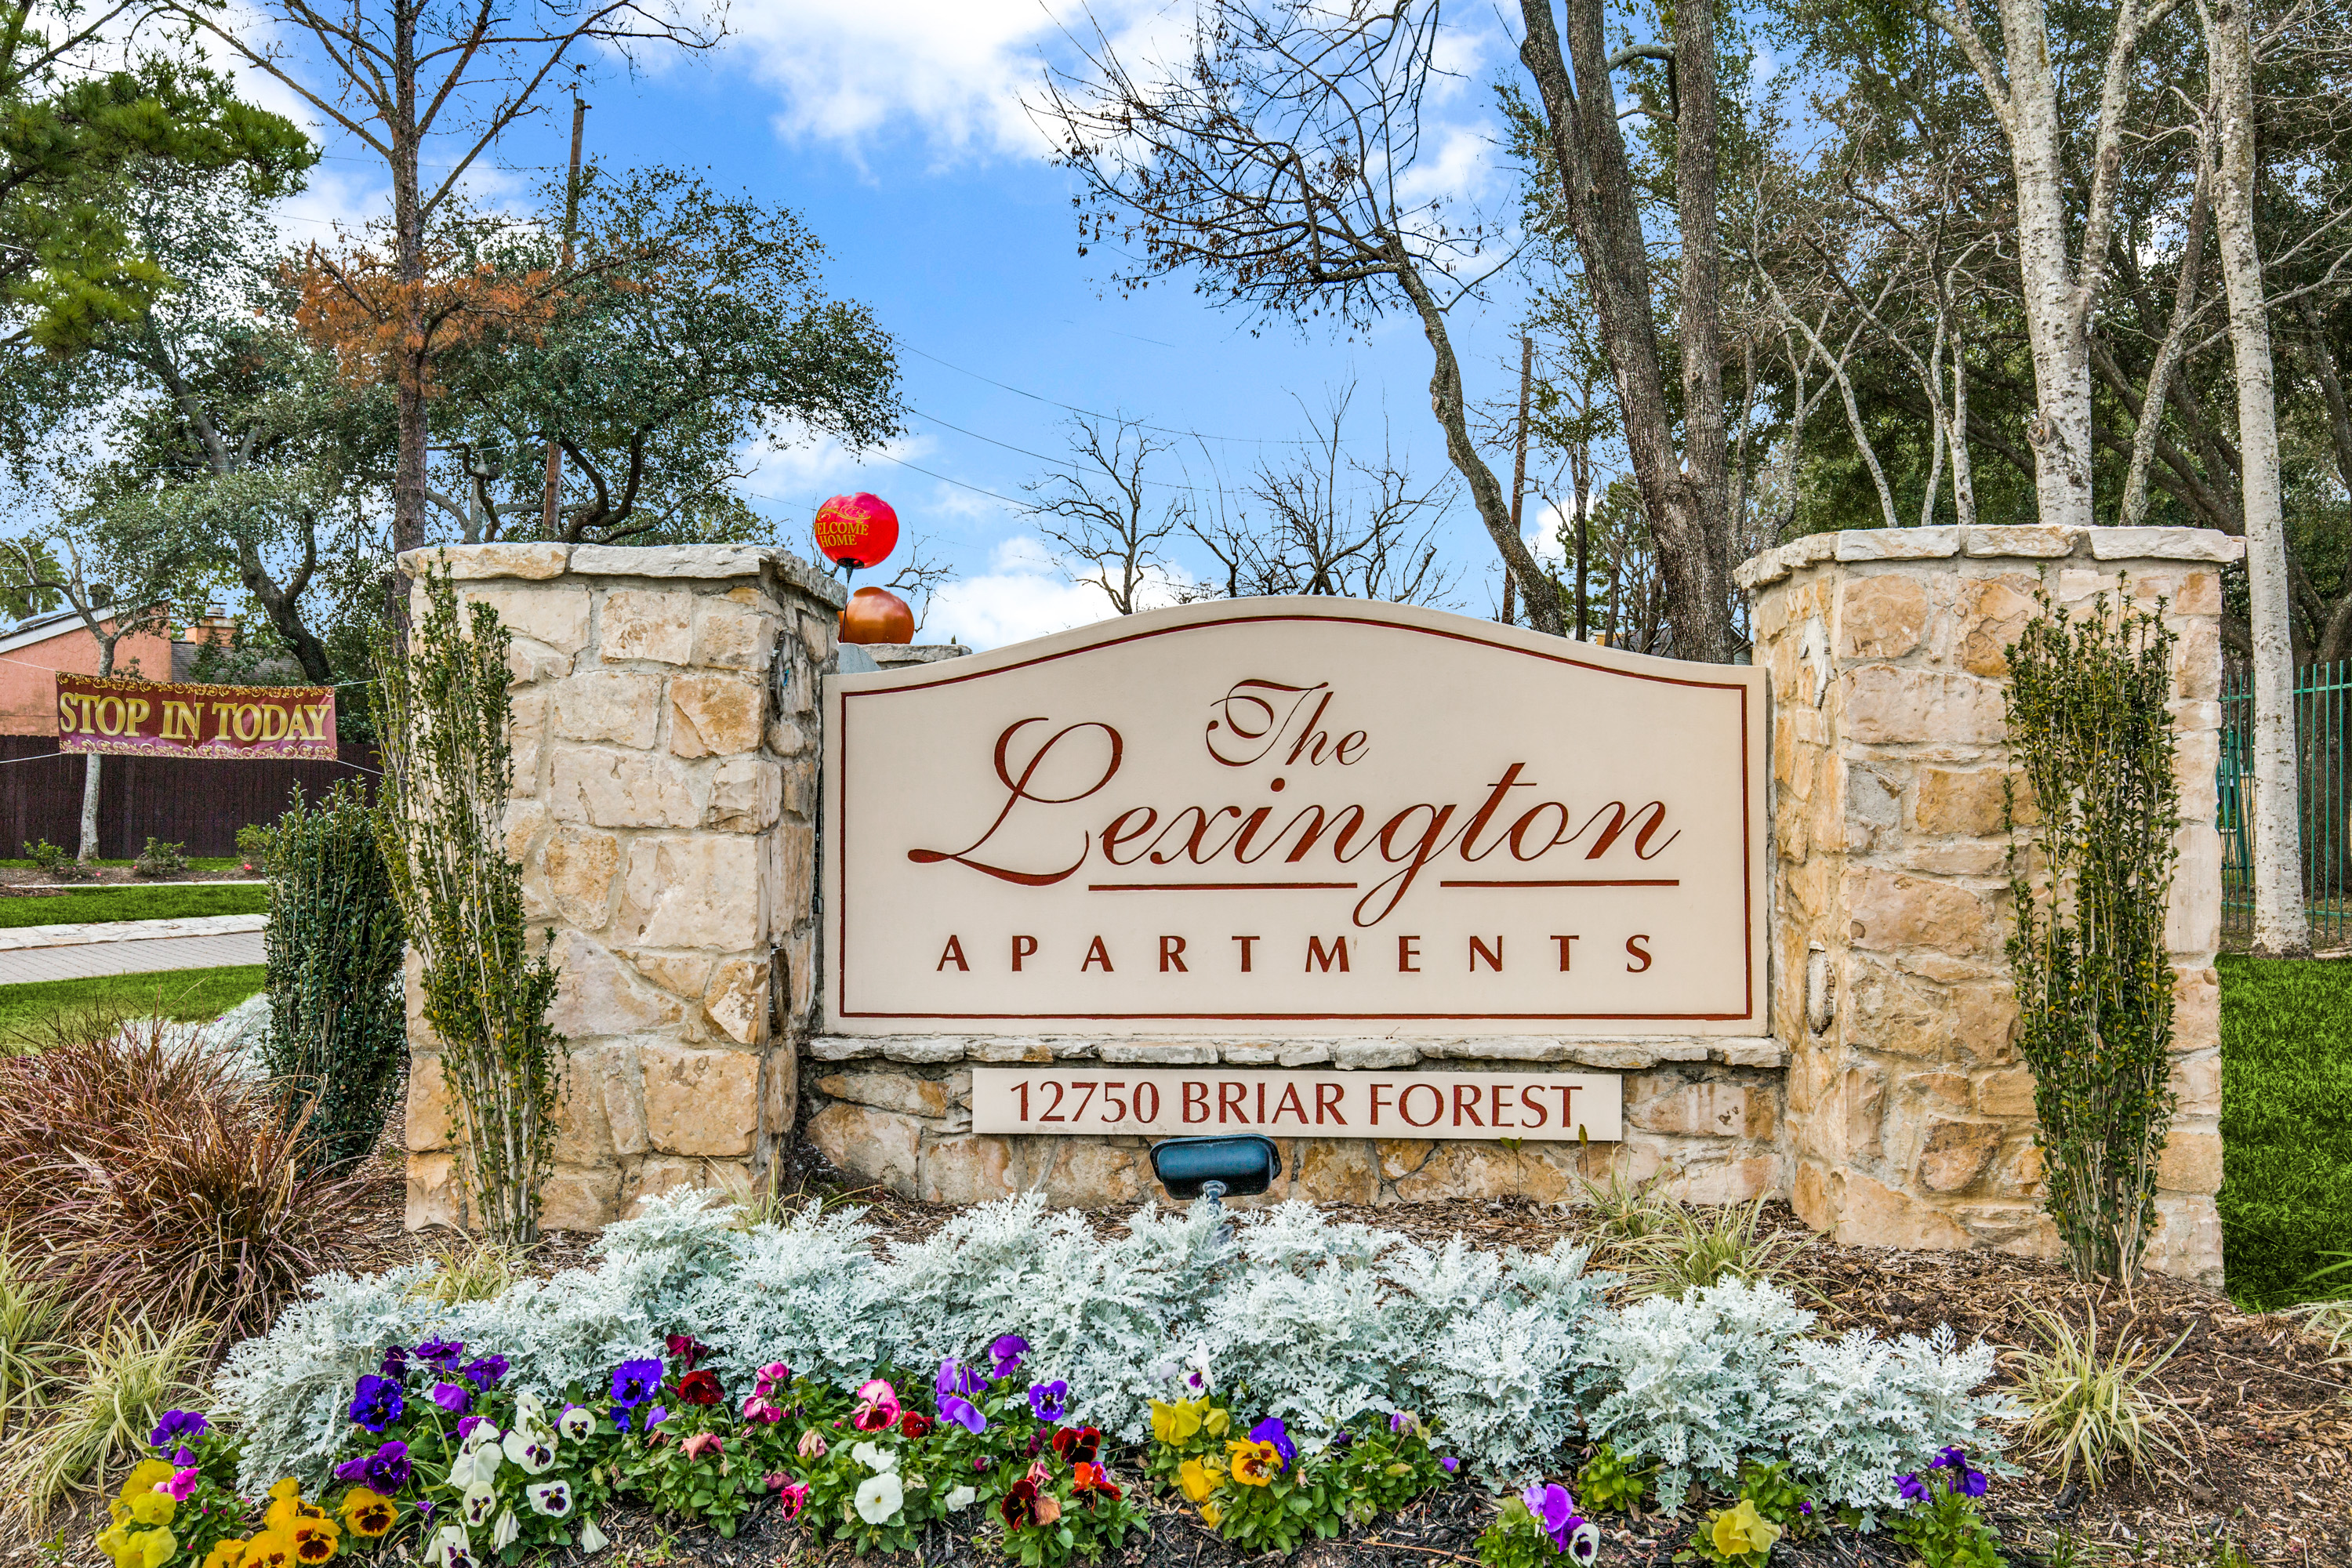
199	803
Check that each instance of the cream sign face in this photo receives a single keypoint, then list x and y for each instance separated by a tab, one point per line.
1301	817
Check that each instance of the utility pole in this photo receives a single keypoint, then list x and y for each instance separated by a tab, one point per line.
1519	467
546	506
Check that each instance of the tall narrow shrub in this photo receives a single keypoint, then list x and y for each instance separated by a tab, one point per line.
337	1031
444	718
2090	732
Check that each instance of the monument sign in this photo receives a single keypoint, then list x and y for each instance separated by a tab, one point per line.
1300	816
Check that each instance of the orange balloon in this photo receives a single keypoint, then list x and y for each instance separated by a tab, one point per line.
876	614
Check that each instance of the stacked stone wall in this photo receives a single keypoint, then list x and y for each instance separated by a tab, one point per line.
1910	1116
666	742
1705	1113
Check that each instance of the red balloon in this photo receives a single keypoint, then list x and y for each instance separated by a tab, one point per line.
857	530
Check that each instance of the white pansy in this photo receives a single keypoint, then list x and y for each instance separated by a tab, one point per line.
475	1506
880	1497
577	1422
874	1457
529	1411
450	1547
531	1450
591	1538
961	1499
552	1499
509	1529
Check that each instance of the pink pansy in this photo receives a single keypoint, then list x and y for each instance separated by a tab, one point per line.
877	1406
771	1377
702	1443
812	1445
182	1483
791	1497
758	1409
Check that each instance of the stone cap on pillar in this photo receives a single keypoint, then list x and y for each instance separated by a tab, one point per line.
537	561
2030	542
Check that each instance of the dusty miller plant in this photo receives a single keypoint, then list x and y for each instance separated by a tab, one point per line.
445	714
2090	732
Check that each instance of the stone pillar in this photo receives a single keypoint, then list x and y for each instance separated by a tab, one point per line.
1909	1114
665	742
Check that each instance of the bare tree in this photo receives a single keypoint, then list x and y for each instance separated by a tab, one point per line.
1337	523
1274	161
395	74
919	577
1685	492
1096	507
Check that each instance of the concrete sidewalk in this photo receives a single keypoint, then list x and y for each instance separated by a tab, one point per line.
128	947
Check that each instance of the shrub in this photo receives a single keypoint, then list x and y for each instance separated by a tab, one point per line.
254	847
2086	1408
153	1179
2091	730
159	859
338	1027
448	770
131	1374
60	863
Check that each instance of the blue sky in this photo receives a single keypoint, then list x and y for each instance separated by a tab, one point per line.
896	129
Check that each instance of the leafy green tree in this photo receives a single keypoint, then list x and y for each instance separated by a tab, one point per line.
690	325
73	136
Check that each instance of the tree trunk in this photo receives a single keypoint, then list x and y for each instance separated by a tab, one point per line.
2176	338
89	850
2281	929
408	478
1681	499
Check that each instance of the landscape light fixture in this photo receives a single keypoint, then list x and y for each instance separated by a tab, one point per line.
1216	1168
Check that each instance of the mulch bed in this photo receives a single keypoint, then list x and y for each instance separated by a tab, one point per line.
31	882
2266	1432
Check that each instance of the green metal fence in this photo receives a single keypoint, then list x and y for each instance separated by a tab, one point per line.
2323	801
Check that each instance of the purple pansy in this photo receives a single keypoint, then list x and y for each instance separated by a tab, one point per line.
957	1380
395	1361
177	1426
1911	1488
388	1468
376	1402
484	1372
635	1382
1449	1464
453	1399
962	1412
1007	1351
1049	1401
440	1354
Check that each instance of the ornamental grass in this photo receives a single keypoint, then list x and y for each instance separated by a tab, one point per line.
33	1354
1691	1248
2100	1410
130	1374
146	1176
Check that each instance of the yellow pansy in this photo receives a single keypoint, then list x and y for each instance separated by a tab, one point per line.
157	1547
286	1508
315	1540
1212	1514
271	1549
143	1476
1196	1479
152	1507
1175	1422
1742	1530
1217	1421
226	1554
113	1542
368	1513
1254	1464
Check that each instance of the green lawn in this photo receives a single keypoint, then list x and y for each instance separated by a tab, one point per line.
163	901
2286	1124
167	993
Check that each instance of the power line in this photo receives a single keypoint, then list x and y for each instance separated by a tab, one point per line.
1091	413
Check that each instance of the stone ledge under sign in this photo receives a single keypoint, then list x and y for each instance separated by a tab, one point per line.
1381	1054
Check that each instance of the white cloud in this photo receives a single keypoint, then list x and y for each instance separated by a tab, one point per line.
1023	595
947	72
